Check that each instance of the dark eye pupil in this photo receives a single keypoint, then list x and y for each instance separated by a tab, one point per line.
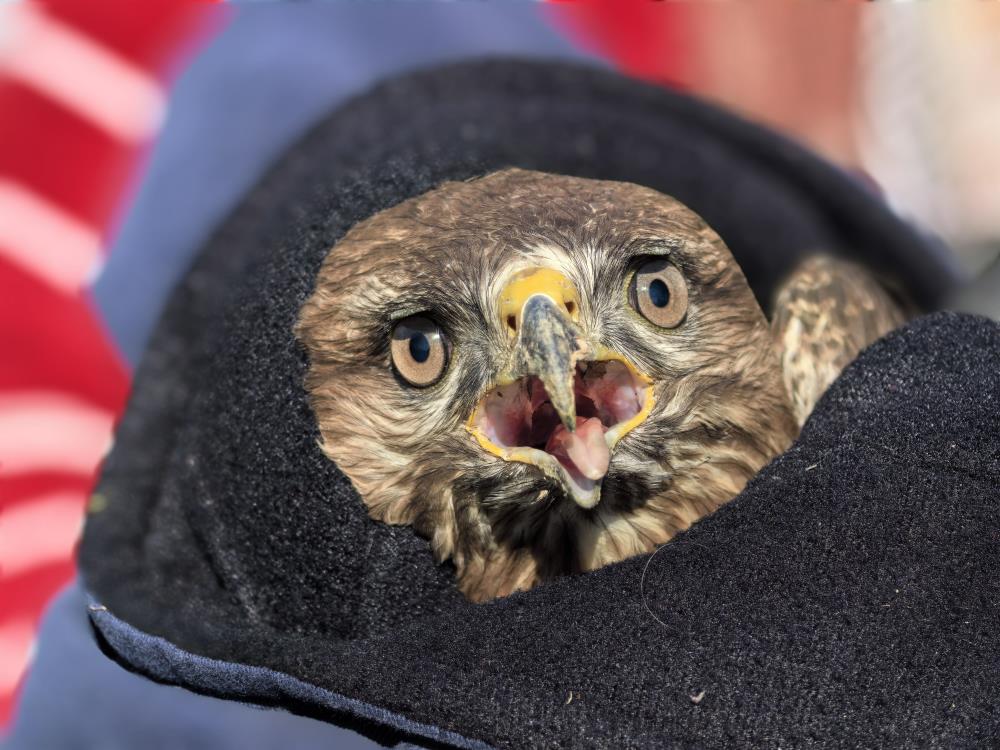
659	294
420	347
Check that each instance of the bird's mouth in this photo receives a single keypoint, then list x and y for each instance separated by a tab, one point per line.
517	422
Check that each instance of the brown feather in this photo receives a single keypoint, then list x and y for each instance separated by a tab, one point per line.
825	313
721	411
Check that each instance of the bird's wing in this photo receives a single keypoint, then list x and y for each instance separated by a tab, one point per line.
824	314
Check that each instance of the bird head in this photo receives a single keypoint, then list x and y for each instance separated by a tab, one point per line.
542	374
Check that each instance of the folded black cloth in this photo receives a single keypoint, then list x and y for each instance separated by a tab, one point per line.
848	595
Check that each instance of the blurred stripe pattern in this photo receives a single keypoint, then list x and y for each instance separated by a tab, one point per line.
82	94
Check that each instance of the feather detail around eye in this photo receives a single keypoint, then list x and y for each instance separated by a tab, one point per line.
603	377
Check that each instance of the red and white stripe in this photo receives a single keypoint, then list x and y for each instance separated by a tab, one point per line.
82	95
46	241
65	65
85	83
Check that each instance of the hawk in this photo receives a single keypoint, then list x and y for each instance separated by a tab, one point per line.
546	374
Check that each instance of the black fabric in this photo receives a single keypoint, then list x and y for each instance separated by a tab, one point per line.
225	531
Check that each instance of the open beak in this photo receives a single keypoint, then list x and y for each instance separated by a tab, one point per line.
559	405
548	347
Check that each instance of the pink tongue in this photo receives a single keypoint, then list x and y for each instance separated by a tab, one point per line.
584	450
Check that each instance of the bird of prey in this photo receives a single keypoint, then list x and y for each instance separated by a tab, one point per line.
545	374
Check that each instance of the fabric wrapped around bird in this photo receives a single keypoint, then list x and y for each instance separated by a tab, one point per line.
520	343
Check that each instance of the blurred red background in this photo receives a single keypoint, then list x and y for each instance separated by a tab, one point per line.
83	87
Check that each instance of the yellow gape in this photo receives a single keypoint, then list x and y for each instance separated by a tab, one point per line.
531	413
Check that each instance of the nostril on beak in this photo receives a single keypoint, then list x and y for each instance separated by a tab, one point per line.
529	282
513	321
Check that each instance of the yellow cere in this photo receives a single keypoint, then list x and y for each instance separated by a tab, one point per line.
530	282
556	286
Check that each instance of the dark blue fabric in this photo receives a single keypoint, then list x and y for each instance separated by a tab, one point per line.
160	658
75	696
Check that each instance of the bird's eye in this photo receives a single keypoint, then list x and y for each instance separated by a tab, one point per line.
419	350
658	293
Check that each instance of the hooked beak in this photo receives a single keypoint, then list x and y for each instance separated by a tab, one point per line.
558	406
539	306
548	347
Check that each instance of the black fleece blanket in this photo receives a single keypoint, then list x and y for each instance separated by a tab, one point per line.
846	597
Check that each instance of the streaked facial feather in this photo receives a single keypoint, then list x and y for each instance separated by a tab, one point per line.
721	408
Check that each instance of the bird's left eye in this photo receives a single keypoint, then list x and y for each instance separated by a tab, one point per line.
658	293
419	350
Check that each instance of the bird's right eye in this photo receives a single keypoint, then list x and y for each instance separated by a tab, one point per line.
419	350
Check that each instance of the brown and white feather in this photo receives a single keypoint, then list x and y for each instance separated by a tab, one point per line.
825	313
722	410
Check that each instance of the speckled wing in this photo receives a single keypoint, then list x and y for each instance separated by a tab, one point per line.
824	314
